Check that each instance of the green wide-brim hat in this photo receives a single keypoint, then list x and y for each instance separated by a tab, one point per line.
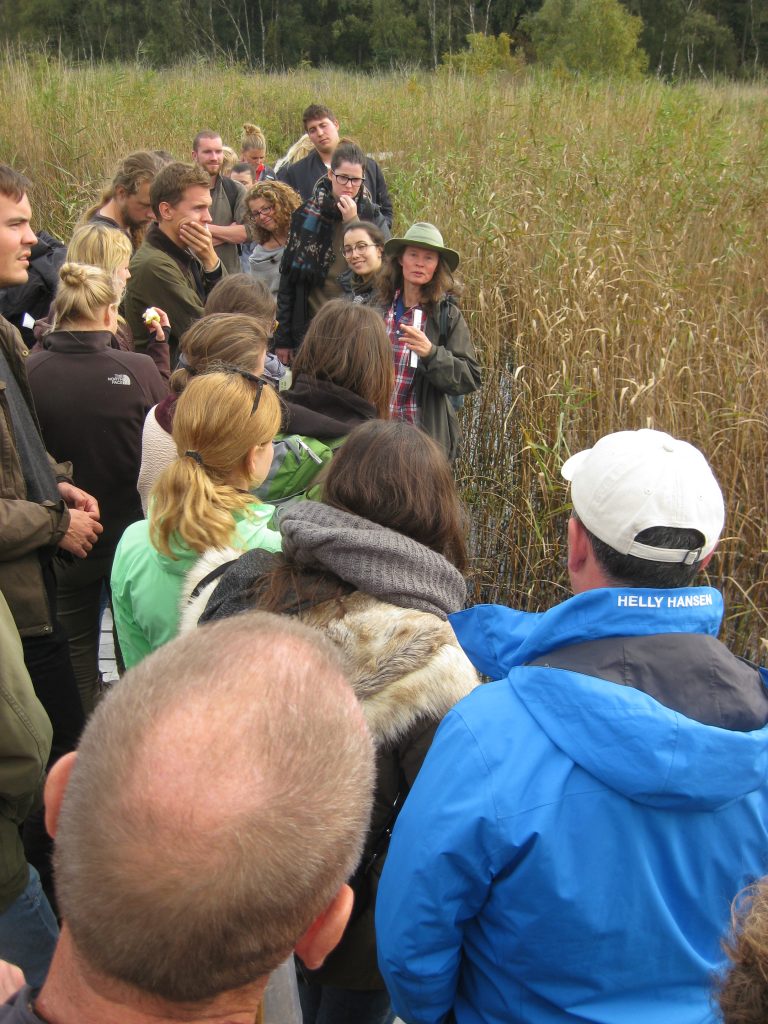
425	236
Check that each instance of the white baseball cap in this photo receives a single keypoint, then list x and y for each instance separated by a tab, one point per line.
635	479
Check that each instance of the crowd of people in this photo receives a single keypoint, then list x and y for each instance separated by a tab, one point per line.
324	791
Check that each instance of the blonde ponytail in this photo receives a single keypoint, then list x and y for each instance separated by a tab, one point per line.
214	428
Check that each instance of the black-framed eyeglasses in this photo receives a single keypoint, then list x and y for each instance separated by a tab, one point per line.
344	179
253	379
358	247
265	211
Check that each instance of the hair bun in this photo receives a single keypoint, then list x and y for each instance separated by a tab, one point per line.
74	274
252	129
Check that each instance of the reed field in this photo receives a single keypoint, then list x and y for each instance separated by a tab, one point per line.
613	239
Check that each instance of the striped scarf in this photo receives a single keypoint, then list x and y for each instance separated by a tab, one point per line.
308	254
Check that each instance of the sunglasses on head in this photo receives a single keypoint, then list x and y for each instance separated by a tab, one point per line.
252	378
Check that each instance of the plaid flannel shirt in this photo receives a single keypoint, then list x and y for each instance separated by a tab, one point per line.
402	405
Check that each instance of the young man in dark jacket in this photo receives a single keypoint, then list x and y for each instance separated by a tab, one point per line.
323	129
176	265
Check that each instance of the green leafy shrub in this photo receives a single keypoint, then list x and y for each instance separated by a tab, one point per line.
485	53
597	37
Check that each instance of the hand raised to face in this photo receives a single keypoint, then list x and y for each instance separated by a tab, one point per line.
197	237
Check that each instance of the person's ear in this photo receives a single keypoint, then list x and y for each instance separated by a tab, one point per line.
706	560
250	461
578	545
55	787
165	210
325	932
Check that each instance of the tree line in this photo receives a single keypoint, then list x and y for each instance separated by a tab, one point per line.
673	38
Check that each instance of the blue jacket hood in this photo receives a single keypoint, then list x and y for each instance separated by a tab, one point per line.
622	737
639	748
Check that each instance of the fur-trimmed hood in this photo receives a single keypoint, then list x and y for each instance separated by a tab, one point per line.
405	666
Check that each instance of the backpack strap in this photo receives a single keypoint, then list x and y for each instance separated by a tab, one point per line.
443	316
211	577
232	192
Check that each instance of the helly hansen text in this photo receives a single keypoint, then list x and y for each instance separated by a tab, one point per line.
663	600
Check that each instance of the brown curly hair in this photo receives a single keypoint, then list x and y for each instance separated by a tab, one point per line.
281	197
743	992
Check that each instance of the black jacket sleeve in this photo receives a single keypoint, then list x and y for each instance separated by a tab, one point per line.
377	186
286	296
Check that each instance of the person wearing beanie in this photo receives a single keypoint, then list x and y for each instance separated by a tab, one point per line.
579	827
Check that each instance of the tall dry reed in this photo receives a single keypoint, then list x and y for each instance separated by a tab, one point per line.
613	241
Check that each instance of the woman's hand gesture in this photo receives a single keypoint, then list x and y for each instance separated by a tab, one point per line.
416	340
347	207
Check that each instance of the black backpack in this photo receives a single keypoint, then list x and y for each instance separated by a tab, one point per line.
457	401
35	296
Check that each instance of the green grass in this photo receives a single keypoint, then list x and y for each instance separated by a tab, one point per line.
613	241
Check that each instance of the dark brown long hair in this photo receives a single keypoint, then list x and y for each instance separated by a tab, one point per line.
390	473
395	475
346	343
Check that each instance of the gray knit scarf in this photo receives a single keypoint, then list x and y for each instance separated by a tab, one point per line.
372	558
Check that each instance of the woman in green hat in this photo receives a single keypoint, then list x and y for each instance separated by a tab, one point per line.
432	350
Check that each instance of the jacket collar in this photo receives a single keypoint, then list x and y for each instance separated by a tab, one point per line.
164	412
78	342
319	408
158	240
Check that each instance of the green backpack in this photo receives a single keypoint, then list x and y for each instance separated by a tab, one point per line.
296	462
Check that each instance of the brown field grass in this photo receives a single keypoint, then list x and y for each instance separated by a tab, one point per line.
613	241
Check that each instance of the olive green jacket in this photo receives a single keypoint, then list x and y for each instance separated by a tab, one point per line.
450	369
25	742
164	275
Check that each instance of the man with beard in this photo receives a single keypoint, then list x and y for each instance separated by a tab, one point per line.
227	200
125	203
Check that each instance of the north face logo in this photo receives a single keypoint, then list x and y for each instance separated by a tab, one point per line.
119	378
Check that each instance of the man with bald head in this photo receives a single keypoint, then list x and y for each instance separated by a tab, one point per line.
205	829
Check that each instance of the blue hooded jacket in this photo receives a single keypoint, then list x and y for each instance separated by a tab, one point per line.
571	846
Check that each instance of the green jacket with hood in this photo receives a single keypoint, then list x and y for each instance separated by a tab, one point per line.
147	585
